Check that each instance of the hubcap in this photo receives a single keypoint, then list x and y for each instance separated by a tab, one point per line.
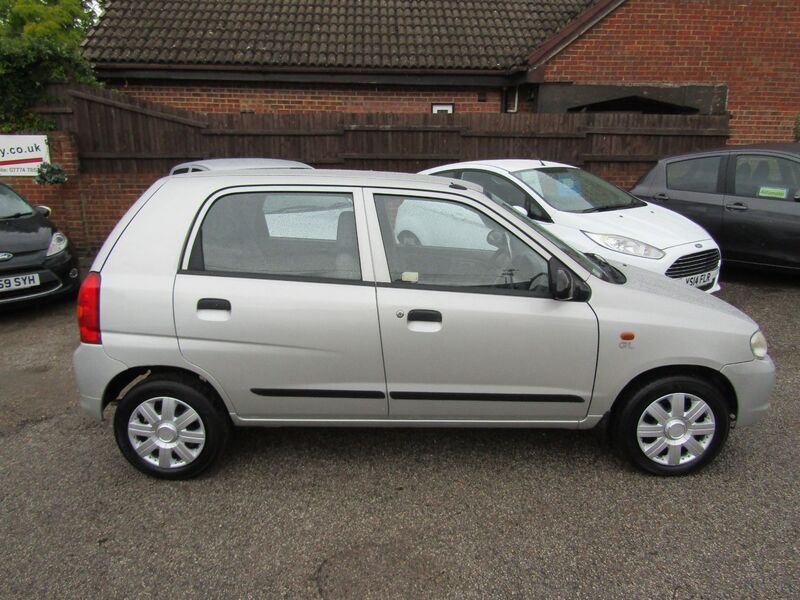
166	432
676	429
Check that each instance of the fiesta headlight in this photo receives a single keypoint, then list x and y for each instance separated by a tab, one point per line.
758	344
625	245
57	243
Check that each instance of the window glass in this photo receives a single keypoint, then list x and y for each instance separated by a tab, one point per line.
448	174
442	243
298	234
12	204
575	190
694	175
497	187
767	177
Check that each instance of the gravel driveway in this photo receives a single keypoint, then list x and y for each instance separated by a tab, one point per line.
346	513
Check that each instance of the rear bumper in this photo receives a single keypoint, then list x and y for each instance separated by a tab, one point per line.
753	382
94	369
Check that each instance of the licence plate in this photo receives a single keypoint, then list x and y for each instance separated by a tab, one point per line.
18	282
700	279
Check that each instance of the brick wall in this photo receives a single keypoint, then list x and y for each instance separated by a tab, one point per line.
87	206
752	46
270	98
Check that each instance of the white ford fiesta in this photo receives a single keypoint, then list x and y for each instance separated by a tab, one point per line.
596	217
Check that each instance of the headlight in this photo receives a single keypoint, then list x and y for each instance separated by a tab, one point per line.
758	344
626	245
57	243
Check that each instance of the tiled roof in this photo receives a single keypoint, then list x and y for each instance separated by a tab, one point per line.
378	34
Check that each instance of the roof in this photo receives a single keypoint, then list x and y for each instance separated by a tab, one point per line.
335	177
780	148
235	164
350	34
507	164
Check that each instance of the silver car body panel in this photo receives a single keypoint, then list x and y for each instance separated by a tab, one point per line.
278	331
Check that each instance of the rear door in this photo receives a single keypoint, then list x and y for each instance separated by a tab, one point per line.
276	301
761	223
694	188
468	326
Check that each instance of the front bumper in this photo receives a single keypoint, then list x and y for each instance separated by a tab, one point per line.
671	258
59	275
753	382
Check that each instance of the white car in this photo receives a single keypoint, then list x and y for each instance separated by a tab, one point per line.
281	298
596	217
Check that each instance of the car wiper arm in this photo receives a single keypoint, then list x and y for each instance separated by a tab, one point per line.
16	215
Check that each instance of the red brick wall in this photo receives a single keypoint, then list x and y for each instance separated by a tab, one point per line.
270	98
752	46
86	207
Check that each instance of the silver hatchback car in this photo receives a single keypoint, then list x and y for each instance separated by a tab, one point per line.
284	298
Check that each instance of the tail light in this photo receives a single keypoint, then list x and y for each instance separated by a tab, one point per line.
89	309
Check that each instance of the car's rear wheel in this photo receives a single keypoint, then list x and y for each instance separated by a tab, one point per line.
673	425
170	427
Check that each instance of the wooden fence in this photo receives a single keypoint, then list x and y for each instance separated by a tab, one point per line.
119	134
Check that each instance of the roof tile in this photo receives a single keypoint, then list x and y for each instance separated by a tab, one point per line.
403	34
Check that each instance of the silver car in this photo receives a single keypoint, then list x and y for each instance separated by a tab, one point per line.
285	298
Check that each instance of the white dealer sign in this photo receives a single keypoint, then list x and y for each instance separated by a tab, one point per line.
21	155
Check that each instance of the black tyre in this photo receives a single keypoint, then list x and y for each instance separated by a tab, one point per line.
673	425
171	427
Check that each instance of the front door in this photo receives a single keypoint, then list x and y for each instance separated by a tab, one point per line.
761	223
468	326
273	305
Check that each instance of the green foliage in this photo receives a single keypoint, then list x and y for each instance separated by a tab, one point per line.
50	174
39	43
797	129
62	21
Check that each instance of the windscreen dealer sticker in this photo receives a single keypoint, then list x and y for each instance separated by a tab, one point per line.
21	155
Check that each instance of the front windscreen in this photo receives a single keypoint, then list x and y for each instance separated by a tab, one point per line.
576	191
12	205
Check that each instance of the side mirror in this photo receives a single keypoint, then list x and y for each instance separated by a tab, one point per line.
520	209
44	210
564	285
797	197
496	238
561	286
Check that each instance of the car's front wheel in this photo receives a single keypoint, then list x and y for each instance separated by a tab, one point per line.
673	425
170	427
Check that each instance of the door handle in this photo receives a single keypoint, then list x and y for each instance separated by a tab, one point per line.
429	316
736	206
213	304
660	196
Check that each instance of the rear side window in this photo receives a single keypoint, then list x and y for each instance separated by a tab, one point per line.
282	234
694	175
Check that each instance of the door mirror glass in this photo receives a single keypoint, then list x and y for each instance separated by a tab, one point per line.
561	284
565	285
